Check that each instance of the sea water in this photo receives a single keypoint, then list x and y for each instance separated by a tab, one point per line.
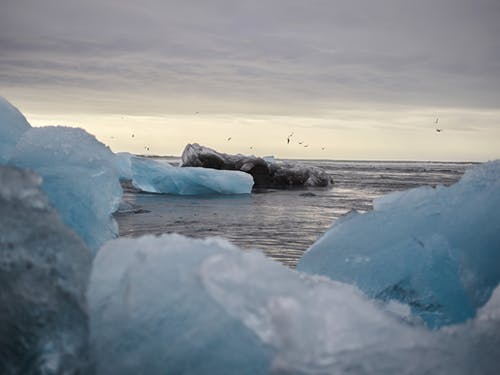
282	223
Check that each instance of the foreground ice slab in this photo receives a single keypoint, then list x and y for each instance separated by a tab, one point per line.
79	176
266	173
44	269
12	126
171	304
437	250
156	177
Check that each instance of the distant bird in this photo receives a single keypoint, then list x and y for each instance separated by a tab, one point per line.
288	138
437	129
133	135
251	147
301	142
306	145
322	148
229	138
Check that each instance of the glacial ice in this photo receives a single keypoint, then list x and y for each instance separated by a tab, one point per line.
155	177
44	270
12	126
266	173
80	177
435	249
171	304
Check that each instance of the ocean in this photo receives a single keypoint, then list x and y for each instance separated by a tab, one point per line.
281	223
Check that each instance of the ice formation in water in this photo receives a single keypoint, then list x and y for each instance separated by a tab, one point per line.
160	177
186	306
80	178
12	126
435	249
44	269
265	173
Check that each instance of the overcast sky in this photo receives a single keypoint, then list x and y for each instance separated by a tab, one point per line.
363	79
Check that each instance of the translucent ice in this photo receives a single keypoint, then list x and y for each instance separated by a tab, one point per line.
156	177
80	178
44	269
12	125
171	304
437	250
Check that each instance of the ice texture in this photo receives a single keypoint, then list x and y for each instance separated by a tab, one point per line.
435	249
80	177
12	126
160	177
266	173
171	304
44	270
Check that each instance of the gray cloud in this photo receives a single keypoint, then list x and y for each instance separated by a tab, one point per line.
278	53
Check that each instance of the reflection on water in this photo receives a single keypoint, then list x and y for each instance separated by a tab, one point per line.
283	223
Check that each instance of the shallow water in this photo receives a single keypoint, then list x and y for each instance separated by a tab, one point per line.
282	223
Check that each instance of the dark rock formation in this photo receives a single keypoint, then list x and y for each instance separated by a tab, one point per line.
265	173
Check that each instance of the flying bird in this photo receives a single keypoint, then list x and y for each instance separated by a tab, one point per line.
229	138
288	138
438	129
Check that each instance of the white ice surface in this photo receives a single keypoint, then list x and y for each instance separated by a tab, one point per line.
437	250
188	306
79	177
12	125
159	177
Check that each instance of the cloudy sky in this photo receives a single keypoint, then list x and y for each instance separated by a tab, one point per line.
357	79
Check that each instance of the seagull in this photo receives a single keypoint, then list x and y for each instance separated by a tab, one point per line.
306	145
229	138
438	129
301	142
288	138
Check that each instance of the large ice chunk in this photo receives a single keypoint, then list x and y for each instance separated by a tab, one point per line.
266	172
80	178
437	250
12	126
151	314
44	269
171	304
160	177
